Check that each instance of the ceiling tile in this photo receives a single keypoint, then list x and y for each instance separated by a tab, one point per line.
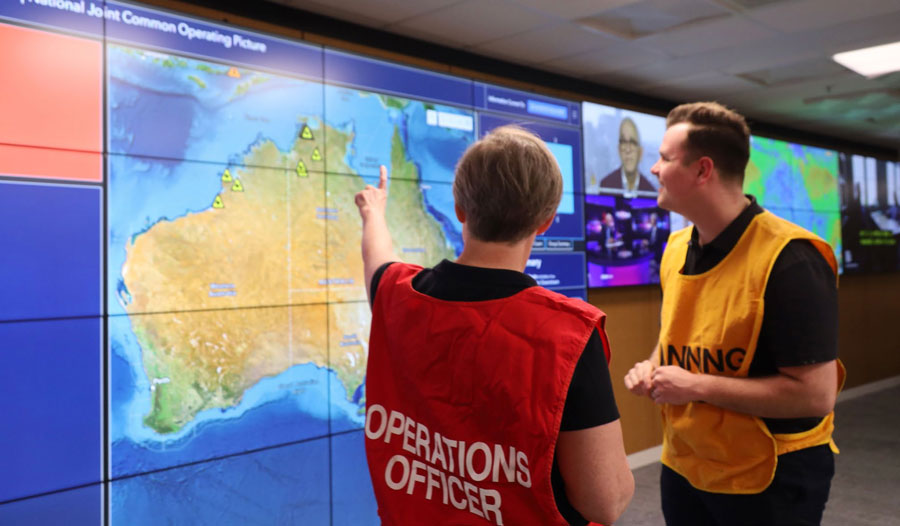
776	75
605	59
648	17
705	36
805	15
473	22
572	9
547	43
706	86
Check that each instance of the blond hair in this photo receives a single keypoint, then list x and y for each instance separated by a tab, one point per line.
507	184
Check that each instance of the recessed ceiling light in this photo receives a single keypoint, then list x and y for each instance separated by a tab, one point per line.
871	61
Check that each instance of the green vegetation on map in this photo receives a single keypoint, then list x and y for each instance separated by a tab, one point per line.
197	81
394	102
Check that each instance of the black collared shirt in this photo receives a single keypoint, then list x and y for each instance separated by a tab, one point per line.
800	319
589	402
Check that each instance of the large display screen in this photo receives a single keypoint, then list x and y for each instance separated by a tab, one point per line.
182	241
870	214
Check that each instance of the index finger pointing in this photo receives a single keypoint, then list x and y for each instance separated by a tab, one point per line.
382	179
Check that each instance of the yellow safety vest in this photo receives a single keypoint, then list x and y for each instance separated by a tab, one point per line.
710	325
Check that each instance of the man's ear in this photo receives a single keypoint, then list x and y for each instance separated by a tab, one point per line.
459	213
546	225
705	167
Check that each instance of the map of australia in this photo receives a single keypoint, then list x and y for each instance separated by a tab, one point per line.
236	293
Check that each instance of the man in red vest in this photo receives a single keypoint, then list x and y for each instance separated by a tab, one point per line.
488	397
745	370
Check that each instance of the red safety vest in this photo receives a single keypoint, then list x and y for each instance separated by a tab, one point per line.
464	402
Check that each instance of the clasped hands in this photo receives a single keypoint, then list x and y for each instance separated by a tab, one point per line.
665	384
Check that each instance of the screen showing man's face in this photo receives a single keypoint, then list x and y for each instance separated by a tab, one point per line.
629	146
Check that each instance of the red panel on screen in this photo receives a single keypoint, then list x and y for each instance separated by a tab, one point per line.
47	163
52	90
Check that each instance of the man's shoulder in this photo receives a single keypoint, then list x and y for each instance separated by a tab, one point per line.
613	179
646	183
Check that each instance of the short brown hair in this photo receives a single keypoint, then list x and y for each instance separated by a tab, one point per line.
715	132
507	184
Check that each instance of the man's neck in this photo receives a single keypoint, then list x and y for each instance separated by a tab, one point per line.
485	254
631	179
715	216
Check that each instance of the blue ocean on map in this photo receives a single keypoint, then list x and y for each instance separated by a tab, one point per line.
208	117
272	404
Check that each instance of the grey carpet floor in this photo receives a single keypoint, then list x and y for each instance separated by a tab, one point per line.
866	486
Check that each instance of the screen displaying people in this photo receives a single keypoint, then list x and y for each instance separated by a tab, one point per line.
625	230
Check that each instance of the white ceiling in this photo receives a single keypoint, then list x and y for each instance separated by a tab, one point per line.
769	59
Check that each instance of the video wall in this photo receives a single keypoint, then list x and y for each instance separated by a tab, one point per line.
183	320
185	311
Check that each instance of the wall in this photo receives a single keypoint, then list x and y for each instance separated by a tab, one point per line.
869	342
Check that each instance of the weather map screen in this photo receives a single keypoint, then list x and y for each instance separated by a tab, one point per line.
184	249
798	183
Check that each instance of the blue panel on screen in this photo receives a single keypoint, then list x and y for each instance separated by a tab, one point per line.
366	73
352	501
37	13
284	485
49	251
557	270
50	402
80	507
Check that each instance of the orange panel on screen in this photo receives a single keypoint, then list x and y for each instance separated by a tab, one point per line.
47	163
52	90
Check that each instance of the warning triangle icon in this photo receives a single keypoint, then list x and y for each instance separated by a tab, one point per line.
237	186
301	170
234	73
306	133
226	176
316	156
218	202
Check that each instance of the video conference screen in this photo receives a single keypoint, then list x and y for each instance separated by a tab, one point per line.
870	214
625	231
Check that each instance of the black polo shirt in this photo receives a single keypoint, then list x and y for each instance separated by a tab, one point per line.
589	401
800	317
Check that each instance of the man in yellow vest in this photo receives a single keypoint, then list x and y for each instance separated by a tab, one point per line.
746	369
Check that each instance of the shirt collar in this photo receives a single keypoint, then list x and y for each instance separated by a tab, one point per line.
455	272
728	238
